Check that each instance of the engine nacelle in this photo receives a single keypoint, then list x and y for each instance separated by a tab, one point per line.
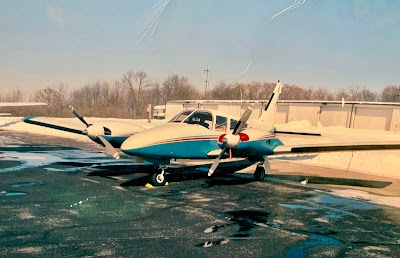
94	130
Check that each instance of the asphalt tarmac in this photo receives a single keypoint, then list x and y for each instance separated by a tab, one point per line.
67	199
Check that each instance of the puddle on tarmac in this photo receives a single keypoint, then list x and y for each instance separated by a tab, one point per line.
315	240
20	184
336	207
348	203
298	206
41	156
13	193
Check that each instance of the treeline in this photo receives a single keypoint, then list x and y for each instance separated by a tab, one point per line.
129	96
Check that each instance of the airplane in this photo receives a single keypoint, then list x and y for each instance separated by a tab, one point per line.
210	134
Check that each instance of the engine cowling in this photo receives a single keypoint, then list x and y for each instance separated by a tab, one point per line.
95	130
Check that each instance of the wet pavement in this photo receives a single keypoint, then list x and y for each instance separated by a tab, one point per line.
70	201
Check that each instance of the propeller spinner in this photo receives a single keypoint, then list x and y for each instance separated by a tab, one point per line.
232	140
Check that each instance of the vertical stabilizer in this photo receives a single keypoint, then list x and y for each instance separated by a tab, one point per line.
266	120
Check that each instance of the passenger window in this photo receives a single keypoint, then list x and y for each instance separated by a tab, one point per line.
233	124
220	124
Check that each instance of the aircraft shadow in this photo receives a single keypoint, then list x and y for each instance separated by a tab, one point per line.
176	174
218	179
333	180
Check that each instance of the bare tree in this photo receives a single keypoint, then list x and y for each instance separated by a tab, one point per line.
368	95
178	87
322	94
55	97
342	94
293	92
135	82
362	94
14	96
390	94
221	91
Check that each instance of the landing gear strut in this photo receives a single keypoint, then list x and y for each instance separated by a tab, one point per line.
159	178
262	169
259	174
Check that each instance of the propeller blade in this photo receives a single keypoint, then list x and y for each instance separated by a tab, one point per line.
109	148
242	121
216	162
78	115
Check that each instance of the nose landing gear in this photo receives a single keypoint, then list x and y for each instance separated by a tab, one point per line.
159	178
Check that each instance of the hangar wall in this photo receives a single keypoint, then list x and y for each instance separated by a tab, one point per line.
358	115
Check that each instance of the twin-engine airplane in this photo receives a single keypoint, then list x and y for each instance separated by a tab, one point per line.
206	134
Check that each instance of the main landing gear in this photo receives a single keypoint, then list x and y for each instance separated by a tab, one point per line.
259	174
262	169
159	178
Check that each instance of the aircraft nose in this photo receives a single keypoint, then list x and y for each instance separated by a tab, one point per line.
128	146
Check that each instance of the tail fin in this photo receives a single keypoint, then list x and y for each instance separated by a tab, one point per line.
266	120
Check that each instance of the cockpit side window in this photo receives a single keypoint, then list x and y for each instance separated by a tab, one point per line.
180	117
220	123
201	118
233	124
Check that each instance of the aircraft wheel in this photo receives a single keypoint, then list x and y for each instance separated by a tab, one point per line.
259	174
158	179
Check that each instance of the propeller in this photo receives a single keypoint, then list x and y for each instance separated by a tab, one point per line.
78	115
231	140
96	132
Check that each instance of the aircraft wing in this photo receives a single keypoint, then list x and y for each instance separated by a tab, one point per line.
332	147
46	122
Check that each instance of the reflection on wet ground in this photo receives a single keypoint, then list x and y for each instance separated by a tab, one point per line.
66	201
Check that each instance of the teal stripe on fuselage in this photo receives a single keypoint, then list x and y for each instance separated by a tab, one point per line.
180	150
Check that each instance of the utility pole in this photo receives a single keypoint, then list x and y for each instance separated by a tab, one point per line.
206	72
398	94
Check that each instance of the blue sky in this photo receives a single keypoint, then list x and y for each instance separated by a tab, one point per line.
324	43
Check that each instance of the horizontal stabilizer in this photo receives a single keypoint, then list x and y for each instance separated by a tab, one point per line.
35	120
332	147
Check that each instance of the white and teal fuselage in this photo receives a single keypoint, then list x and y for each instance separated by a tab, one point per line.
188	141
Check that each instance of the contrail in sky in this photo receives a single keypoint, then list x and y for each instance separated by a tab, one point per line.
245	71
296	4
152	22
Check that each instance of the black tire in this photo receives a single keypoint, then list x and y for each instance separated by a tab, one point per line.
158	179
259	174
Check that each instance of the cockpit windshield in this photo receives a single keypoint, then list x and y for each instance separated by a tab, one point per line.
180	117
202	118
